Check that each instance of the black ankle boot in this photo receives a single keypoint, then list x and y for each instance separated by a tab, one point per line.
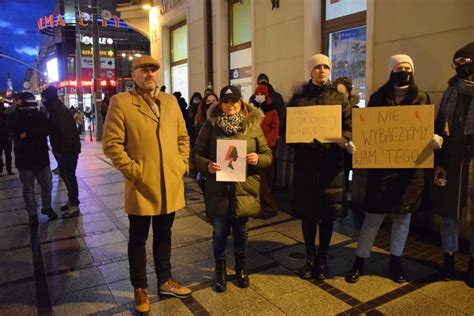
448	271
242	276
221	276
320	270
307	271
395	269
470	273
356	271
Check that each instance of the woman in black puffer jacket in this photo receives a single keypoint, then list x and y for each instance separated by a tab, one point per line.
317	196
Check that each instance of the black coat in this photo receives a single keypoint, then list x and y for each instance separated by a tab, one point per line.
394	191
4	130
456	199
317	190
32	151
64	132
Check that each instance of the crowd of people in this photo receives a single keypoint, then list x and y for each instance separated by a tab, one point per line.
154	139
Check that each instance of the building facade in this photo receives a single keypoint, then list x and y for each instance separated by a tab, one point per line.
67	39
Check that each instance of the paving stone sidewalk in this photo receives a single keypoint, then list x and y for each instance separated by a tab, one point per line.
79	266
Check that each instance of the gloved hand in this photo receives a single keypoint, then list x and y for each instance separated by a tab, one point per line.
316	143
437	142
350	147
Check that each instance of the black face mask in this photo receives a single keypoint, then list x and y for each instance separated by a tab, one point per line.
464	71
401	78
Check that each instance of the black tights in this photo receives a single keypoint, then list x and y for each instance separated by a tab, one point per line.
309	227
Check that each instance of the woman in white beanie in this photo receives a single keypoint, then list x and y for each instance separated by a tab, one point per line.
317	196
395	192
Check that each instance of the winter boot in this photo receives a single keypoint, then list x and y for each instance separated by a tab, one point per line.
242	276
306	272
356	271
448	271
50	213
221	276
470	273
142	304
395	269
320	269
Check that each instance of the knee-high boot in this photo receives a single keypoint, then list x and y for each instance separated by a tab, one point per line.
240	270
221	276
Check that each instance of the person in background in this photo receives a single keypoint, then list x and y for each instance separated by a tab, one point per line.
182	102
145	138
394	192
229	204
454	163
271	128
317	192
30	129
104	107
191	112
5	142
66	147
277	99
201	116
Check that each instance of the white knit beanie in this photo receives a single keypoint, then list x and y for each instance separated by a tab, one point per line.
398	59
318	59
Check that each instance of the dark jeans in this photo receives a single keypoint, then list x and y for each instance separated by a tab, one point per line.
309	227
222	228
139	227
6	146
67	170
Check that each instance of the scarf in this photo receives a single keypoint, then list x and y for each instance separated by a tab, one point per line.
230	124
448	106
152	103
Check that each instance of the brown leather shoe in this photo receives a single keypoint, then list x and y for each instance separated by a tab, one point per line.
142	305
173	288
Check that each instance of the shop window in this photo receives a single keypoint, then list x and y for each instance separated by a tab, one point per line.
179	59
344	40
240	53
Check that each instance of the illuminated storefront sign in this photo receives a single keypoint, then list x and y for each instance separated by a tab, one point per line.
85	19
86	83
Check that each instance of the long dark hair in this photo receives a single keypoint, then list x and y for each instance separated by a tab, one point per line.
200	117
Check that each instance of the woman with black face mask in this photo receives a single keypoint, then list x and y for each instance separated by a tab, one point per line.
395	192
454	164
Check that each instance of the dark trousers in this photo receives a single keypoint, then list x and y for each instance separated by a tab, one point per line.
221	232
309	227
6	147
266	185
67	170
139	227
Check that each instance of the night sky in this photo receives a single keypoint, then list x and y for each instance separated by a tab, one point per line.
19	36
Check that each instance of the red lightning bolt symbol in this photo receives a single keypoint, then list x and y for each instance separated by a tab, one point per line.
417	115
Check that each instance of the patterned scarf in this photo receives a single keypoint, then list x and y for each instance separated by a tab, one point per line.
448	106
153	103
230	124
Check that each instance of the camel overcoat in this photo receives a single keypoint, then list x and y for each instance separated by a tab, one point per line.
151	153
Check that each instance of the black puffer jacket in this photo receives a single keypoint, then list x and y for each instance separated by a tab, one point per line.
32	151
317	190
394	191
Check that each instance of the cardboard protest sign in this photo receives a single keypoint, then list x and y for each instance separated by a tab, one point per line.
393	137
305	123
231	156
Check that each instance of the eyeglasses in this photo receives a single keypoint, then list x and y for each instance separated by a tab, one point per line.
461	61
